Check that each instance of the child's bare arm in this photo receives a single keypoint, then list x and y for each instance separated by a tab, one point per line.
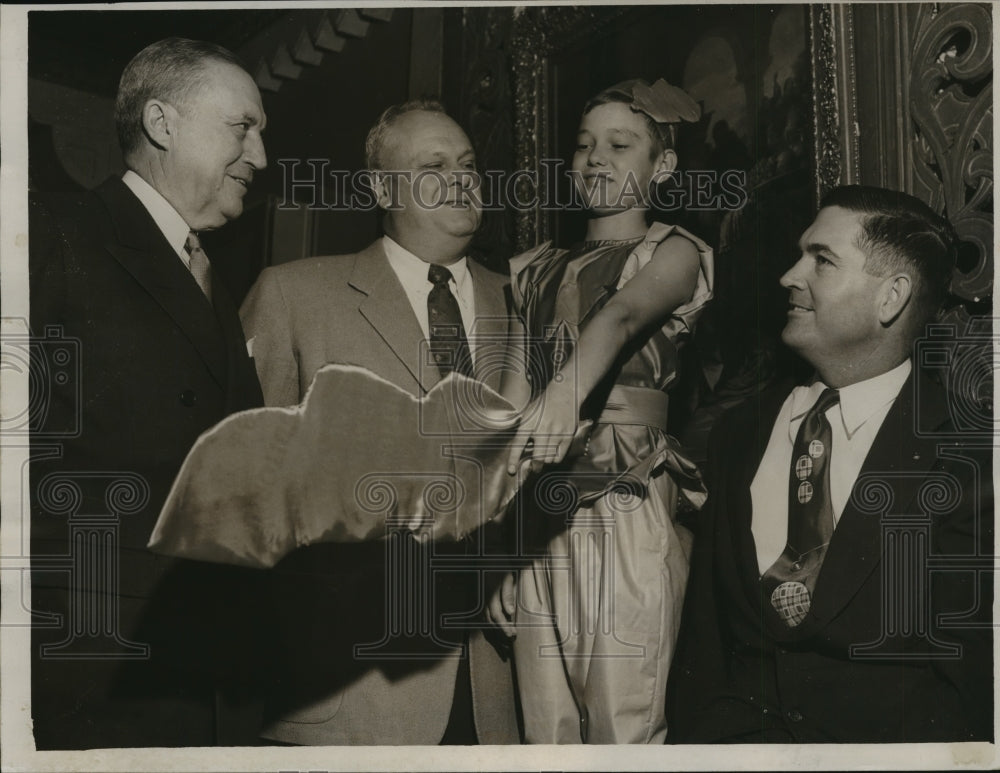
648	299
514	384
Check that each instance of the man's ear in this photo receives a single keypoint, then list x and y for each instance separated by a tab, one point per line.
158	122
381	185
665	165
897	292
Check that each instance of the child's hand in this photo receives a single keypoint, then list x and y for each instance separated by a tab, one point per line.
501	608
546	435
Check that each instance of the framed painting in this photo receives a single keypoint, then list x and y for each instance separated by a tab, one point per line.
770	81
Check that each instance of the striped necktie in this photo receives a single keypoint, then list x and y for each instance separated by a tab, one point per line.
201	269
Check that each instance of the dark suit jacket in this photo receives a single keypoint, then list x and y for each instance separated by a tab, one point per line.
332	599
890	652
151	365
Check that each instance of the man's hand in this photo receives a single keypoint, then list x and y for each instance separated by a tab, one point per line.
500	610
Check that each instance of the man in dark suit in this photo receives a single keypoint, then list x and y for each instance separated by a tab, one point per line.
841	581
118	276
374	646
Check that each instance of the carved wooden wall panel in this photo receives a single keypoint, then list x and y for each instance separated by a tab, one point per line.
951	104
925	100
924	87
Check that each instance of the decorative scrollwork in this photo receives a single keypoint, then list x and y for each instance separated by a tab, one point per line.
627	495
872	495
64	493
127	494
375	494
556	494
951	103
443	494
59	494
939	494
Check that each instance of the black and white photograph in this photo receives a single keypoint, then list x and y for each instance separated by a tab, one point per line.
608	386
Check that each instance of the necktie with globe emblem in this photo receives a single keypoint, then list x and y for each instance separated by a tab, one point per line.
791	580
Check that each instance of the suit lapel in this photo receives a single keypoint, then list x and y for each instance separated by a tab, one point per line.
491	321
389	312
144	252
897	457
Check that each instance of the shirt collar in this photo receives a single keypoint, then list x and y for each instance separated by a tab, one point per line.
414	269
164	215
858	402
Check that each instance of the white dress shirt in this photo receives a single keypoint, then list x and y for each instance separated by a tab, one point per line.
412	273
854	422
164	215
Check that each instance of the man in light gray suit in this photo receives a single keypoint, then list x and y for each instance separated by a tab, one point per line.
400	308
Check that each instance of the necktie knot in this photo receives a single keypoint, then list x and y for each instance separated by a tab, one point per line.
192	243
827	400
438	275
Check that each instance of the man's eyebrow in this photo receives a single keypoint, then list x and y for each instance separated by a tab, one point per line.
814	248
444	154
246	117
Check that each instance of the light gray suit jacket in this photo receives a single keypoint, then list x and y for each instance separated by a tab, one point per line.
352	309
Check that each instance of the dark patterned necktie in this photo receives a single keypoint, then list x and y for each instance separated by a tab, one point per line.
791	580
449	346
199	266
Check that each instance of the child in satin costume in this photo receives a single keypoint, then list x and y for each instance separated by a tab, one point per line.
594	616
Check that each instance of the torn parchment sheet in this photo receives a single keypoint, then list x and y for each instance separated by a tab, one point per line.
357	457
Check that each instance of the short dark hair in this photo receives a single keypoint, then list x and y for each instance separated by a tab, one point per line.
375	142
169	69
900	231
662	134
